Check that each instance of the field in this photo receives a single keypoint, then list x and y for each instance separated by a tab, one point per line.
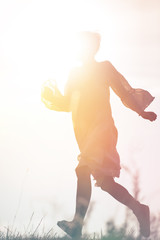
112	233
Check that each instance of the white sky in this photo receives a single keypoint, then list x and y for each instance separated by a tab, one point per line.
37	146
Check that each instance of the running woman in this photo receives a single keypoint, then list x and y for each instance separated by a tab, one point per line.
87	96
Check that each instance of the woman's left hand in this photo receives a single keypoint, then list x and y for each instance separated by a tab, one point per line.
149	115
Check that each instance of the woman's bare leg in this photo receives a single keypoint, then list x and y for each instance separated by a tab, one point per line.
74	228
122	195
83	193
118	192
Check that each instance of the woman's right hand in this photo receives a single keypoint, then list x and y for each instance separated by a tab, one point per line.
47	94
149	115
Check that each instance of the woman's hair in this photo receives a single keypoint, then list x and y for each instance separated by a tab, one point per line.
90	40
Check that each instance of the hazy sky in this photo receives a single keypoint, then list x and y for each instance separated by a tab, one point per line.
37	147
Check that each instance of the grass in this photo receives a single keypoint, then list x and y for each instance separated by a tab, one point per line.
113	233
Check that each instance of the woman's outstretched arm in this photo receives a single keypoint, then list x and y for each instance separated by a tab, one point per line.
56	101
135	99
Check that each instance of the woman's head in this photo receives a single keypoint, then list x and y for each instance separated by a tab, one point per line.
88	45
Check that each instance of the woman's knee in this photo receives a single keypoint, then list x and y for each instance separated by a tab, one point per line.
107	184
82	172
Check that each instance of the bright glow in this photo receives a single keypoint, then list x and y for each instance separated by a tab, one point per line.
37	44
44	42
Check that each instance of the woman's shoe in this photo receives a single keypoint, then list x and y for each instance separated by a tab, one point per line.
143	215
73	229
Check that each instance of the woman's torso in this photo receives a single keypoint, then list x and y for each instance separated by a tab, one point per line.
90	99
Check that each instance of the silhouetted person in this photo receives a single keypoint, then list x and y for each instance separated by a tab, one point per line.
87	96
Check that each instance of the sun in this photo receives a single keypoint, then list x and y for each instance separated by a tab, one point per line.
43	47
